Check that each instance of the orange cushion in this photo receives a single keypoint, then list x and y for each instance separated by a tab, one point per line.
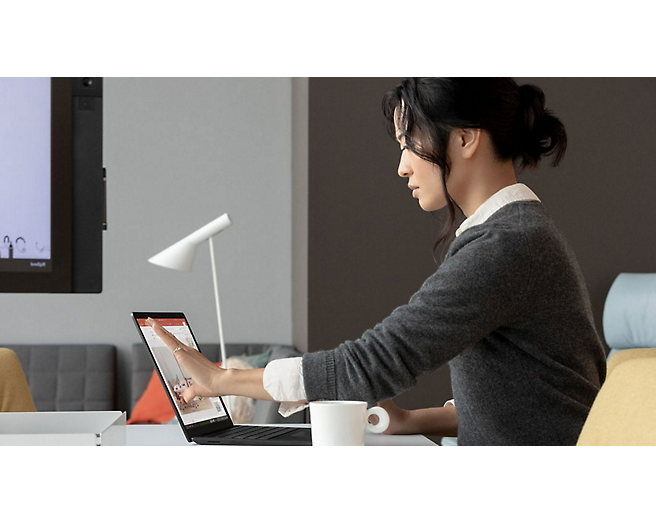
153	407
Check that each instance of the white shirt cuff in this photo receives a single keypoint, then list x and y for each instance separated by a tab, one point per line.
289	408
283	380
452	402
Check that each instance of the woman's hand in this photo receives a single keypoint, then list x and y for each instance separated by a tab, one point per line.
206	376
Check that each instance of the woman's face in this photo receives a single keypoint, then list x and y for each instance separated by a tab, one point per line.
424	178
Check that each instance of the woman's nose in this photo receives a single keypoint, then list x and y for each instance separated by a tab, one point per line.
404	166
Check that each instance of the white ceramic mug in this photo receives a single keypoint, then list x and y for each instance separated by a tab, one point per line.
343	423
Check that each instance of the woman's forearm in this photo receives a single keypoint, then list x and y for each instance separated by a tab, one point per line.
430	421
246	383
211	381
442	421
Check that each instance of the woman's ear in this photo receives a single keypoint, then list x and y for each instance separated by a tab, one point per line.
468	141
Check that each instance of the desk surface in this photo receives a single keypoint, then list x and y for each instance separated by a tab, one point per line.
171	435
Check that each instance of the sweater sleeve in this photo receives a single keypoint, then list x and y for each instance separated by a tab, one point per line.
478	288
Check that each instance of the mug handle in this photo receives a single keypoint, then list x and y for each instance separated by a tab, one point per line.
383	419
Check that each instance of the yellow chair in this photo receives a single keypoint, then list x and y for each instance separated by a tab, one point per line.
14	391
624	412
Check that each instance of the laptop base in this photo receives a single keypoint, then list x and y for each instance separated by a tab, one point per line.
246	435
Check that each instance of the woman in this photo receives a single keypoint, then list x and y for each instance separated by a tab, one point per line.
507	308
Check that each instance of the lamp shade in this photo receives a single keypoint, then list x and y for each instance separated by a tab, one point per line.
181	255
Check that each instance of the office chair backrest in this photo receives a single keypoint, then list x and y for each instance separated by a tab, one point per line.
630	313
624	412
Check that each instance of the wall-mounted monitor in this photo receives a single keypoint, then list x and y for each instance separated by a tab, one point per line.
52	185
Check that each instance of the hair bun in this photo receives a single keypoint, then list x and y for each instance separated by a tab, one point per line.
537	132
531	107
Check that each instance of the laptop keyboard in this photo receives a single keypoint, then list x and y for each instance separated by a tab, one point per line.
254	432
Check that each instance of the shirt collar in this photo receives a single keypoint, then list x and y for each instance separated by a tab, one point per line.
509	194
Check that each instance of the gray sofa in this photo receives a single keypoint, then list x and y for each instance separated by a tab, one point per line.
84	377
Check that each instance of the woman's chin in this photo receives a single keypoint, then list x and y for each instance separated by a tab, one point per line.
430	206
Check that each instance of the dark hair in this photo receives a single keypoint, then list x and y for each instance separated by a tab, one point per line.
520	127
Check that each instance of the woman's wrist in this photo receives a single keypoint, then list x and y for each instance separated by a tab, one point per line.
402	421
247	383
410	422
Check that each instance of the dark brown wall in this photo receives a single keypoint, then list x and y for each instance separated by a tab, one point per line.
602	194
370	243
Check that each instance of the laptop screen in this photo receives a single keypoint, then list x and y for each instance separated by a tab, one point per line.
201	410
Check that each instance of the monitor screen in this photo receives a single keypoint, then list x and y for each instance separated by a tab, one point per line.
52	185
25	175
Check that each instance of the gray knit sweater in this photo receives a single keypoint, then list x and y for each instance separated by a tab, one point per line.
509	311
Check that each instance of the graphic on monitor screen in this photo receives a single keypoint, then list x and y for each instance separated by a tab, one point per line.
25	175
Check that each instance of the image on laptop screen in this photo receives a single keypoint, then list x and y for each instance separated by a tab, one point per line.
177	380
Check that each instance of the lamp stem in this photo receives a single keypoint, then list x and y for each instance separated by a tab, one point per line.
224	359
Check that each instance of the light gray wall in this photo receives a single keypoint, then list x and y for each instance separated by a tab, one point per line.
179	153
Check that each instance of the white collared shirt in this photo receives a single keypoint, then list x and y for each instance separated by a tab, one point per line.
509	194
283	378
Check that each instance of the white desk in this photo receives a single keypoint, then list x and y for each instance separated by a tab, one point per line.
171	435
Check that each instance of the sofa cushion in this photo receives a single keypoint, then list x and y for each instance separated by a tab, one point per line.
153	407
69	377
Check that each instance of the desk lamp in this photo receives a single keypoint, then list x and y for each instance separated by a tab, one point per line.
181	255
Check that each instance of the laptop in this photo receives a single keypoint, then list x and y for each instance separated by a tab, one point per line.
205	420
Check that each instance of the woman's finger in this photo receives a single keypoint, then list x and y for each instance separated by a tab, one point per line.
189	353
170	340
173	343
189	394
